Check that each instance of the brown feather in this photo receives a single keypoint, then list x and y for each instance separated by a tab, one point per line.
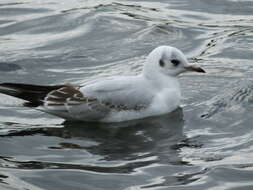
34	94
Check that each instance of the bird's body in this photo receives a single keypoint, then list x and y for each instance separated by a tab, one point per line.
153	92
114	99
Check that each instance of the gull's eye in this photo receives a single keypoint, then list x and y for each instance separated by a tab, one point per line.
161	63
175	62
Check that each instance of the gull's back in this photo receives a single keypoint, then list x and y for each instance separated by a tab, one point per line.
129	90
111	99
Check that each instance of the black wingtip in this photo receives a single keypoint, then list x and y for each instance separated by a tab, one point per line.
34	94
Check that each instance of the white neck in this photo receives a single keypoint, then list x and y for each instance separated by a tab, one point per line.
161	81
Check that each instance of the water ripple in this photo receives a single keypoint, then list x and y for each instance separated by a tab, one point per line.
51	42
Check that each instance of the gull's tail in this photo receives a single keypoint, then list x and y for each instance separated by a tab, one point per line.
34	94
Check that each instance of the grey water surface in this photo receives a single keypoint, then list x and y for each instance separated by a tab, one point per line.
205	144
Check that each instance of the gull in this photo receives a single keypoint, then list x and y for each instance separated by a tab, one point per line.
155	91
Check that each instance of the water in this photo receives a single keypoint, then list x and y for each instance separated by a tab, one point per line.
205	144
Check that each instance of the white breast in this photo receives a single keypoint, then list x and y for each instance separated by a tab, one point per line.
166	101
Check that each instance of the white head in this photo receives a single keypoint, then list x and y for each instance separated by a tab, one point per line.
167	60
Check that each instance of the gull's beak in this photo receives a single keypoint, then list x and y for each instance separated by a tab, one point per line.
194	68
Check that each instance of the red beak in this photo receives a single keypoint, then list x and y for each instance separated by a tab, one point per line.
196	69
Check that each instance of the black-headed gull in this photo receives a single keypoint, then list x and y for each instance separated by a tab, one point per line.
153	92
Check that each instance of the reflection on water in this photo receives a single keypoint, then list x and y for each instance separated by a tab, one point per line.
153	138
115	148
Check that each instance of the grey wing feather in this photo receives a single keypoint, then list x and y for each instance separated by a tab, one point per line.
121	94
69	102
96	102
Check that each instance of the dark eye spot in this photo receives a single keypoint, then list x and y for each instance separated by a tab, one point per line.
175	62
161	63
